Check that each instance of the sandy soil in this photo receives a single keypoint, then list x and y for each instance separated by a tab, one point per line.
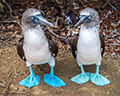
13	69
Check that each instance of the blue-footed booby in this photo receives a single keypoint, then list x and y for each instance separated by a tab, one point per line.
37	47
88	47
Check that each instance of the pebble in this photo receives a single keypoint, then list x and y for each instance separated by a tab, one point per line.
3	28
2	85
21	9
10	26
13	36
19	36
2	38
14	87
62	59
114	25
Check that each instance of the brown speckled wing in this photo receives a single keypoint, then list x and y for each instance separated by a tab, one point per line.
74	45
52	44
20	50
102	44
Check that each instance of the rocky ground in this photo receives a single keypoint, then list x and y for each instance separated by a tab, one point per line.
13	70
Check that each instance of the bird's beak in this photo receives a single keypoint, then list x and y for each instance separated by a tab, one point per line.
40	20
81	21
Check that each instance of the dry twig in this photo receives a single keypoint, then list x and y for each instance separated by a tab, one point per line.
7	90
11	11
9	46
14	21
113	7
15	92
62	39
2	85
9	74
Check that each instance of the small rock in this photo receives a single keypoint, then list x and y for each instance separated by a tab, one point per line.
68	34
114	25
4	82
2	85
13	36
10	26
32	2
3	28
2	38
19	36
62	59
21	9
17	17
63	34
14	87
16	32
76	6
48	13
108	59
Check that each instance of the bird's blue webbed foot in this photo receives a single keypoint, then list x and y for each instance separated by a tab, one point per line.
31	81
98	79
81	78
53	80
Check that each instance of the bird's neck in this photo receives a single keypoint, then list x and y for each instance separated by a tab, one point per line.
89	32
29	29
33	33
91	25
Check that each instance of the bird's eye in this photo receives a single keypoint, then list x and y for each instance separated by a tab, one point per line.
89	17
32	18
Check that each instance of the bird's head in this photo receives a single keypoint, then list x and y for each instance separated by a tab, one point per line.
88	17
34	17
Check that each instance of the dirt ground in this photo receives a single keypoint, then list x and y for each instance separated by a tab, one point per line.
13	69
